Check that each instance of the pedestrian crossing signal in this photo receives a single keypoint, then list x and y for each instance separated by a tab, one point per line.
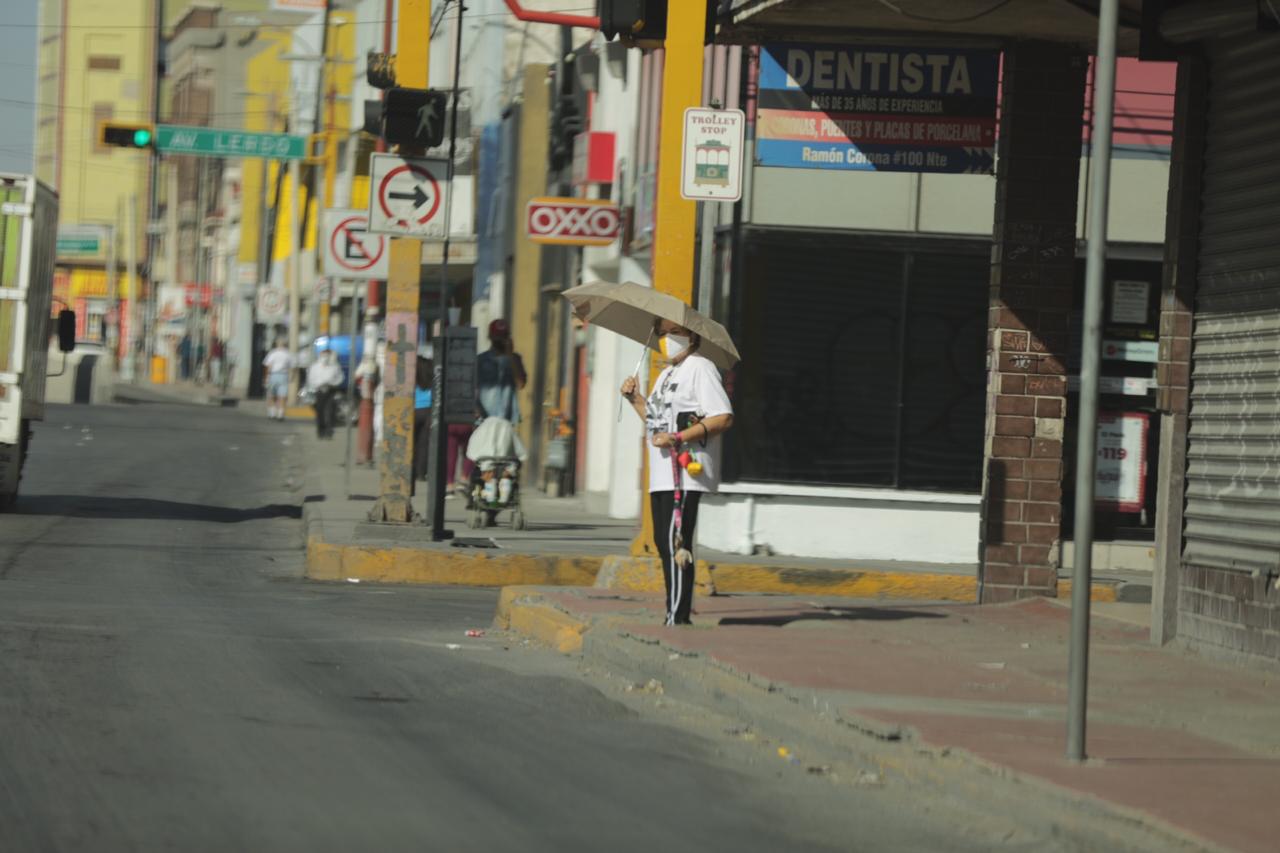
120	135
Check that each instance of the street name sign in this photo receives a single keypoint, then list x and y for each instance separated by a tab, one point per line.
213	142
406	197
572	222
80	240
350	251
711	165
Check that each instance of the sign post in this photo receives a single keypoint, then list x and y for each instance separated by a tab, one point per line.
403	283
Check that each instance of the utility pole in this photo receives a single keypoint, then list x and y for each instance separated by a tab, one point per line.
439	425
322	127
130	313
676	222
295	271
364	439
1091	357
413	44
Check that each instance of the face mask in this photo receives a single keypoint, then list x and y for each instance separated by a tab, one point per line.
675	344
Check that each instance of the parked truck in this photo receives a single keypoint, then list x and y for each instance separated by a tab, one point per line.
28	245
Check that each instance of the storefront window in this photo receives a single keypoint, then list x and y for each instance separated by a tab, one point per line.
861	366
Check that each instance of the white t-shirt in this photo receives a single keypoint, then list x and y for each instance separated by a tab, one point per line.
278	361
323	373
692	386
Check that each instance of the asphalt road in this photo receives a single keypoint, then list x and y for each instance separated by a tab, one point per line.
168	682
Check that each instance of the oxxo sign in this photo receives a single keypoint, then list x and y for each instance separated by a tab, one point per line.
573	222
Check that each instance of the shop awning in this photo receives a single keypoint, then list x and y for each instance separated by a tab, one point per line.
1070	21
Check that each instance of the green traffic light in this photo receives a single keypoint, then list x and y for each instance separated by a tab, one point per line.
142	137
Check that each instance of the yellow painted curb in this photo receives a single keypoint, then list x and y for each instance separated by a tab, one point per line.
328	562
644	574
525	611
1100	592
300	413
933	586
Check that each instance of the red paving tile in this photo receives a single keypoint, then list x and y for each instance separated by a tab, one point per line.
905	653
1200	786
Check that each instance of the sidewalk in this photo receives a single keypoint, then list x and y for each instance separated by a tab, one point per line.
188	393
563	545
1176	741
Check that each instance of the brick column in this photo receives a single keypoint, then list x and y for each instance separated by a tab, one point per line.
1032	281
1173	371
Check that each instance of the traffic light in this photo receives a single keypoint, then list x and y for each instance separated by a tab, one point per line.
644	22
414	117
633	19
121	135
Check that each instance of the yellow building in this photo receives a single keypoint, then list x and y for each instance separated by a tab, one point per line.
96	61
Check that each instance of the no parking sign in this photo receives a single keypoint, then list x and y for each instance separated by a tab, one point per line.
350	251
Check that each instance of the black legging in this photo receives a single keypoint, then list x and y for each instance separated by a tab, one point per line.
679	581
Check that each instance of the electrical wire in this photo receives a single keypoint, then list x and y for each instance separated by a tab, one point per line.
888	4
378	22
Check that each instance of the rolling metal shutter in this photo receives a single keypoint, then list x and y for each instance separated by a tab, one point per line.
1233	471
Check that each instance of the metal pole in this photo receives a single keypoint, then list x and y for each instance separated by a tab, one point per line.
707	256
113	262
130	312
1104	70
295	272
195	325
351	377
440	458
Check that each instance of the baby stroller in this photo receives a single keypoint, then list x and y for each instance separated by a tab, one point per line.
494	487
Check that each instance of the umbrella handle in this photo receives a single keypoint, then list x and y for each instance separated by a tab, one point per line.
644	352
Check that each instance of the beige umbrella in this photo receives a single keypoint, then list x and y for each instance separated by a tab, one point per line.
630	310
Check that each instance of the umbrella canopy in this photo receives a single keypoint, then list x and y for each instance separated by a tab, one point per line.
630	310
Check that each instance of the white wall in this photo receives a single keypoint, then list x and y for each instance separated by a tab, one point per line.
840	523
945	204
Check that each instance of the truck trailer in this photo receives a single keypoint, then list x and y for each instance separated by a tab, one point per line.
28	245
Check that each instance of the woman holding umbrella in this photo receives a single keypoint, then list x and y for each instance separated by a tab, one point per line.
684	418
685	415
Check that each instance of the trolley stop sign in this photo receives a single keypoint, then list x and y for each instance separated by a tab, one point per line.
711	168
350	251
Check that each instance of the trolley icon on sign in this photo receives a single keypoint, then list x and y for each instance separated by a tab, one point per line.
711	164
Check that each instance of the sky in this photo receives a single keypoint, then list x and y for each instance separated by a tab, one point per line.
18	37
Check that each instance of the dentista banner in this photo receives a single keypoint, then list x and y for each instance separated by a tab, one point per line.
877	108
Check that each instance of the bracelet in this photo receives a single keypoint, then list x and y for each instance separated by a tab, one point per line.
706	433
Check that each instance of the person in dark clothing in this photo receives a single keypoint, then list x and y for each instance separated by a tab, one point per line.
184	356
423	379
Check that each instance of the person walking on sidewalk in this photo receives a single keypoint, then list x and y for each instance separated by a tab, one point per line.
276	365
324	378
684	417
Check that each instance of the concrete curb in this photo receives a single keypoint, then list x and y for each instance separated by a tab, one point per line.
440	565
124	392
433	564
805	719
525	611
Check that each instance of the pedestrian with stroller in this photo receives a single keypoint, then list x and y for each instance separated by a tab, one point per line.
684	416
500	375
